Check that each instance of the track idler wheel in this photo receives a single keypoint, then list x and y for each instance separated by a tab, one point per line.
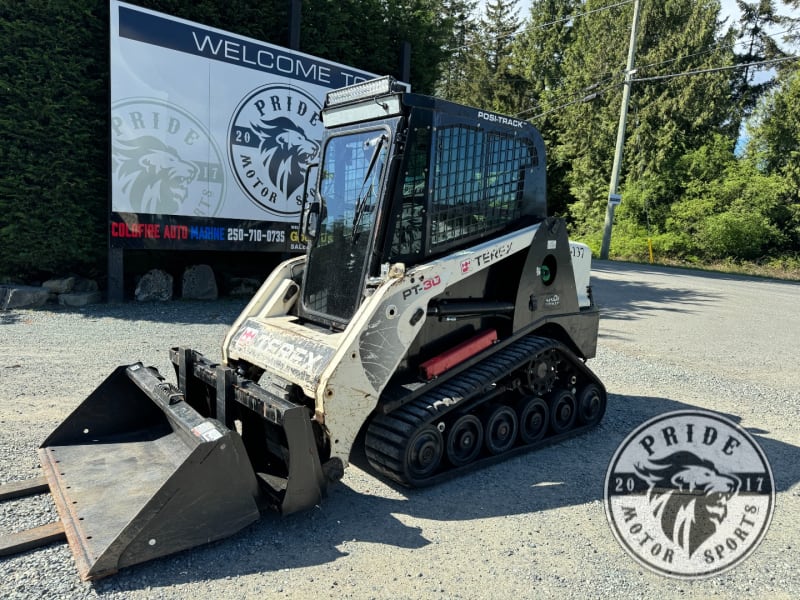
534	415
591	404
500	429
563	411
423	453
464	440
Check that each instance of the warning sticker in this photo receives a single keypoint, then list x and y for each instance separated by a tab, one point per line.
207	431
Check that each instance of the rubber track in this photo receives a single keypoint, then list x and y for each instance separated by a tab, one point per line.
388	435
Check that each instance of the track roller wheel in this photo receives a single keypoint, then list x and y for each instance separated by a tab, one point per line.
533	414
423	453
591	404
500	429
464	440
563	410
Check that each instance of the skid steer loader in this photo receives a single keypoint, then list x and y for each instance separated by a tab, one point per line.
439	315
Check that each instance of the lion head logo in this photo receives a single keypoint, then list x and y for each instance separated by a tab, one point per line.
689	495
152	174
285	152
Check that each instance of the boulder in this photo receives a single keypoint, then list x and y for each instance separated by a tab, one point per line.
76	299
22	296
62	285
155	285
199	283
85	285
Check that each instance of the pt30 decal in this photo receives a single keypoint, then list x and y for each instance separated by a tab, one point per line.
423	286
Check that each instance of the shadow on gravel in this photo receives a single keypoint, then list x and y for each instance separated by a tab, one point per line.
566	474
625	300
7	317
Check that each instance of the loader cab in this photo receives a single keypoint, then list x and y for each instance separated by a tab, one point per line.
405	178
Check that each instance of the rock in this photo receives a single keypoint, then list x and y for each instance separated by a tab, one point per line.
22	296
199	283
80	298
62	285
85	285
155	285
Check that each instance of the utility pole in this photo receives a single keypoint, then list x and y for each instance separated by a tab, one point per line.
613	192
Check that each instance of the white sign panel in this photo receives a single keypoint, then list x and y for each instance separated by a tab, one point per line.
211	133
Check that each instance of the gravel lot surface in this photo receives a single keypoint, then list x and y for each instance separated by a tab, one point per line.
532	527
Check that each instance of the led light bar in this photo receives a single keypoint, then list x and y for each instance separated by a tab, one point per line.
363	89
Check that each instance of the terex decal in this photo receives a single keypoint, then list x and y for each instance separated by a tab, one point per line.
297	357
493	254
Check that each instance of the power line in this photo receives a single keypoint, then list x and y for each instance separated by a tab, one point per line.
716	69
713	48
583	98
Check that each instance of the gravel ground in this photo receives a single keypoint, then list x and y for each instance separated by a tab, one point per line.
533	526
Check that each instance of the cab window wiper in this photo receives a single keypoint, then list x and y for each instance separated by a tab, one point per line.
366	190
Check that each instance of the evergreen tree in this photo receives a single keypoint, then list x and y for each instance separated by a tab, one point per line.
54	127
538	62
774	147
593	66
673	108
465	27
489	82
754	44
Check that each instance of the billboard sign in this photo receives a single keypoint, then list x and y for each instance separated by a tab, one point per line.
211	133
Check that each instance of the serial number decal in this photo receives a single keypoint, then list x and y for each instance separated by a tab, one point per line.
577	251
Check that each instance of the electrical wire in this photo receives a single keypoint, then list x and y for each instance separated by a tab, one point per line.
564	105
713	48
715	69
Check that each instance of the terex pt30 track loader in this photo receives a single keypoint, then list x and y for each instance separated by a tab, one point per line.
438	314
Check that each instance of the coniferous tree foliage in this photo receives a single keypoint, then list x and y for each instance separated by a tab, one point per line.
465	26
489	80
754	44
538	61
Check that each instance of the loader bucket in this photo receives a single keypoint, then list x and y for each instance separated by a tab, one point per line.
136	474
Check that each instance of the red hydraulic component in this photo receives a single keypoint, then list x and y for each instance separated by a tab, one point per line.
458	354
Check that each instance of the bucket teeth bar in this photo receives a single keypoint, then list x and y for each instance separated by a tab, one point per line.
299	482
